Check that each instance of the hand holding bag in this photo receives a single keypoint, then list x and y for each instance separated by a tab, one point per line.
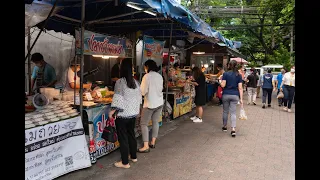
280	95
109	133
243	115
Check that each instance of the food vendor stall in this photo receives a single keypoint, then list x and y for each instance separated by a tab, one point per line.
180	94
100	130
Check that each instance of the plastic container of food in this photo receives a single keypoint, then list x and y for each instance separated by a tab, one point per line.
72	111
27	118
59	111
68	109
28	122
73	114
64	117
42	123
38	119
51	106
54	119
65	106
49	114
28	126
61	114
37	116
57	102
45	111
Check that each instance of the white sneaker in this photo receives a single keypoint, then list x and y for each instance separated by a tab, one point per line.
238	102
198	120
193	118
289	111
285	109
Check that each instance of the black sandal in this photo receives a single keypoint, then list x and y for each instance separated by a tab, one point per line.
233	133
152	146
145	151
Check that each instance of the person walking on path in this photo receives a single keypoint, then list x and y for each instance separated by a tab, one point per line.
232	93
219	78
267	86
259	85
252	81
125	107
151	88
199	81
288	87
278	82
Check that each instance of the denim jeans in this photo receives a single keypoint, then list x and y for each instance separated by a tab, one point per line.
288	92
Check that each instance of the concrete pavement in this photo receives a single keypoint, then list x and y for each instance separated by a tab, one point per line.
263	149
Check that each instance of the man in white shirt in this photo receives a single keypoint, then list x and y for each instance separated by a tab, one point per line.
72	81
151	88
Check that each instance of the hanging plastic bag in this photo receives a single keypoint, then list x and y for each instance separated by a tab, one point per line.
243	115
280	95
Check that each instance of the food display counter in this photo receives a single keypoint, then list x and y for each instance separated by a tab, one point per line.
55	142
180	94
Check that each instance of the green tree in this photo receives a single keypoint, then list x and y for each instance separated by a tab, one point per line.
266	41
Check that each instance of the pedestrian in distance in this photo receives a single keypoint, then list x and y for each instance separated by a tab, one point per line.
252	81
267	87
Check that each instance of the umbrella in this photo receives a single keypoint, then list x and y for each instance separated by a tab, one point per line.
239	60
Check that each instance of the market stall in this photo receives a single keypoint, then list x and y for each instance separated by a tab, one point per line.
180	94
100	130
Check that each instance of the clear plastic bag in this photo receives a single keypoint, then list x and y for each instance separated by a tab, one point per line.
243	115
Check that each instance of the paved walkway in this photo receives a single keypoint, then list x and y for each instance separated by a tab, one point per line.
263	149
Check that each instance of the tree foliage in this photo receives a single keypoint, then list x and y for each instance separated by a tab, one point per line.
269	40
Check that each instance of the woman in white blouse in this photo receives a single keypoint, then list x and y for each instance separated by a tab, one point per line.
126	107
288	87
151	89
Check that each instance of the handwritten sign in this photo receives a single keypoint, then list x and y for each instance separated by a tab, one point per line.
55	149
88	96
99	94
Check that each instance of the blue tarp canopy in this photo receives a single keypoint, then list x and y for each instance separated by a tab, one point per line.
121	19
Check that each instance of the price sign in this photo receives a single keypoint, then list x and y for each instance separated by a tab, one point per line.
88	96
99	94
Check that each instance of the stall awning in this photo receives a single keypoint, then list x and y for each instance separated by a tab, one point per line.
178	12
69	17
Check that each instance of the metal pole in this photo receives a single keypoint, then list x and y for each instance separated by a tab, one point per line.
29	59
74	78
291	45
44	25
141	63
167	70
83	9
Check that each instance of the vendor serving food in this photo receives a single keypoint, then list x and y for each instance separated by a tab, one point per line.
74	82
43	74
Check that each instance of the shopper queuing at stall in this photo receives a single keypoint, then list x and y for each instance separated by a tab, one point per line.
125	108
151	88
